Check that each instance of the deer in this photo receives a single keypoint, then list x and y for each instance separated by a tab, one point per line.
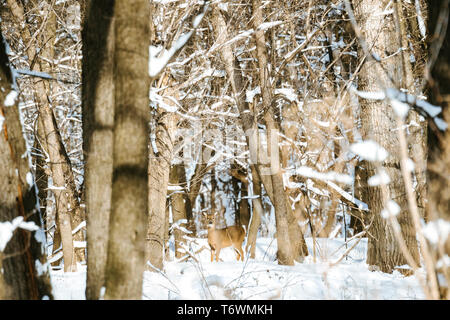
222	238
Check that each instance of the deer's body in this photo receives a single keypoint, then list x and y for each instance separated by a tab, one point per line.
222	238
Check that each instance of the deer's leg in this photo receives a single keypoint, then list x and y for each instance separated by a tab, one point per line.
239	253
217	254
212	254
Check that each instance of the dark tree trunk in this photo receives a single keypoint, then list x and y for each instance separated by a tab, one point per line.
129	204
439	142
98	122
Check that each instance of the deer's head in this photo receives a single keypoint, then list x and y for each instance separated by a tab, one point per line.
211	218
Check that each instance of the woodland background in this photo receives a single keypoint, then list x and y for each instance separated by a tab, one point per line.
123	121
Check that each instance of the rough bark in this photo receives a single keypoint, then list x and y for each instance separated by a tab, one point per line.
178	211
378	123
201	169
257	213
290	130
69	213
129	204
244	208
181	171
417	132
98	122
19	278
158	171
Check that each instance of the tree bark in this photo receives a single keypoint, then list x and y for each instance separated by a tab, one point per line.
158	171
69	213
257	213
129	204
98	123
439	142
178	210
181	171
378	123
285	254
19	278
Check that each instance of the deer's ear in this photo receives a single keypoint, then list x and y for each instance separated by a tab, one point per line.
203	214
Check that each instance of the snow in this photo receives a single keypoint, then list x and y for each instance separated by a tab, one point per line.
401	101
164	1
174	188
262	278
326	176
40	268
7	229
441	124
69	285
79	244
250	94
360	204
420	21
437	231
392	209
157	63
268	25
33	73
81	225
431	110
377	95
369	150
400	108
409	164
289	93
30	179
11	98
381	178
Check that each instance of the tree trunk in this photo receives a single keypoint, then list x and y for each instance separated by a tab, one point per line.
249	126
25	251
439	142
378	123
417	132
158	171
178	211
257	213
129	204
68	211
181	171
285	254
244	208
200	171
98	122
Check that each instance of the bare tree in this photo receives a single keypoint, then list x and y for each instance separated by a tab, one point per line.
19	206
69	215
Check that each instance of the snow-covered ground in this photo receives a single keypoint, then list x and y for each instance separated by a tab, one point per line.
263	278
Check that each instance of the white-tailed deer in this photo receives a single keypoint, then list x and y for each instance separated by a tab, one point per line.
222	238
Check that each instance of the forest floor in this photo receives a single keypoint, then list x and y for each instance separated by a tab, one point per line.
262	278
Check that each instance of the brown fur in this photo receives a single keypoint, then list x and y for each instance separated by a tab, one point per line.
222	238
